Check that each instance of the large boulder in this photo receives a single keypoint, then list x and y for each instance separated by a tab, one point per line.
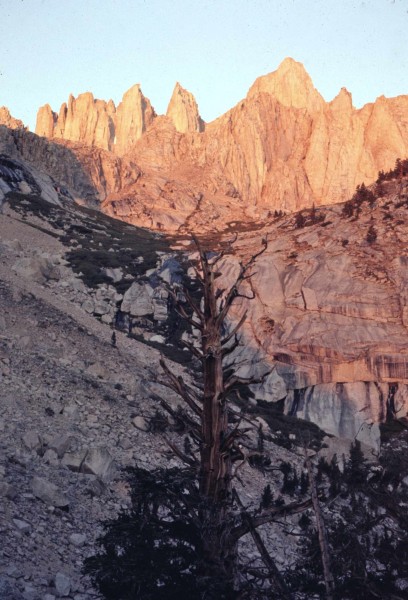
95	461
49	493
38	268
138	300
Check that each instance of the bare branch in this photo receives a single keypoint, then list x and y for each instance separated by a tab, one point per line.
174	388
242	276
274	574
194	306
239	295
191	425
227	303
177	384
234	381
202	255
270	515
233	435
235	330
249	276
198	275
229	349
195	351
225	250
188	460
185	316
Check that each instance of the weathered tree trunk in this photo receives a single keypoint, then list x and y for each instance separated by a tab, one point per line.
321	532
220	525
220	549
215	478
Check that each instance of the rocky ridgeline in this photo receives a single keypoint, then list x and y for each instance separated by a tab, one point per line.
91	174
8	120
281	148
102	124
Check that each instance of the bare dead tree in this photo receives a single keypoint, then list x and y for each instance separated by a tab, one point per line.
321	531
223	520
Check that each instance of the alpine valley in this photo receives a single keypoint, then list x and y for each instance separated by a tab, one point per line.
97	211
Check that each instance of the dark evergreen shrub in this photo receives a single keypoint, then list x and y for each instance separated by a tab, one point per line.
153	550
159	422
300	221
371	234
367	531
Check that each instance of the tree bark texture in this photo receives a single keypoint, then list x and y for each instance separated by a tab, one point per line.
322	533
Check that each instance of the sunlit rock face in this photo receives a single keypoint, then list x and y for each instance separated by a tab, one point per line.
284	147
98	123
8	120
329	318
183	111
134	115
281	148
83	119
46	120
290	85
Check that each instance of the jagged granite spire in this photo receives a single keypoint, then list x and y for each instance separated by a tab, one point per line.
183	111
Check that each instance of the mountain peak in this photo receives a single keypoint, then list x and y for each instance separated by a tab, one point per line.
134	114
289	63
7	119
291	85
133	92
183	111
343	100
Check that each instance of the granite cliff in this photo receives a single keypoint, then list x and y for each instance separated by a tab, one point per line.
281	148
98	123
330	316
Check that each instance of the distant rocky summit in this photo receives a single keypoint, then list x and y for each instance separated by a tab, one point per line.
183	111
98	123
281	148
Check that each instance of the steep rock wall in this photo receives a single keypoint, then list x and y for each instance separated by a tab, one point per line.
329	321
90	174
98	123
281	148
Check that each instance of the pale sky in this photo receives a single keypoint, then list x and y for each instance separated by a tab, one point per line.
214	48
